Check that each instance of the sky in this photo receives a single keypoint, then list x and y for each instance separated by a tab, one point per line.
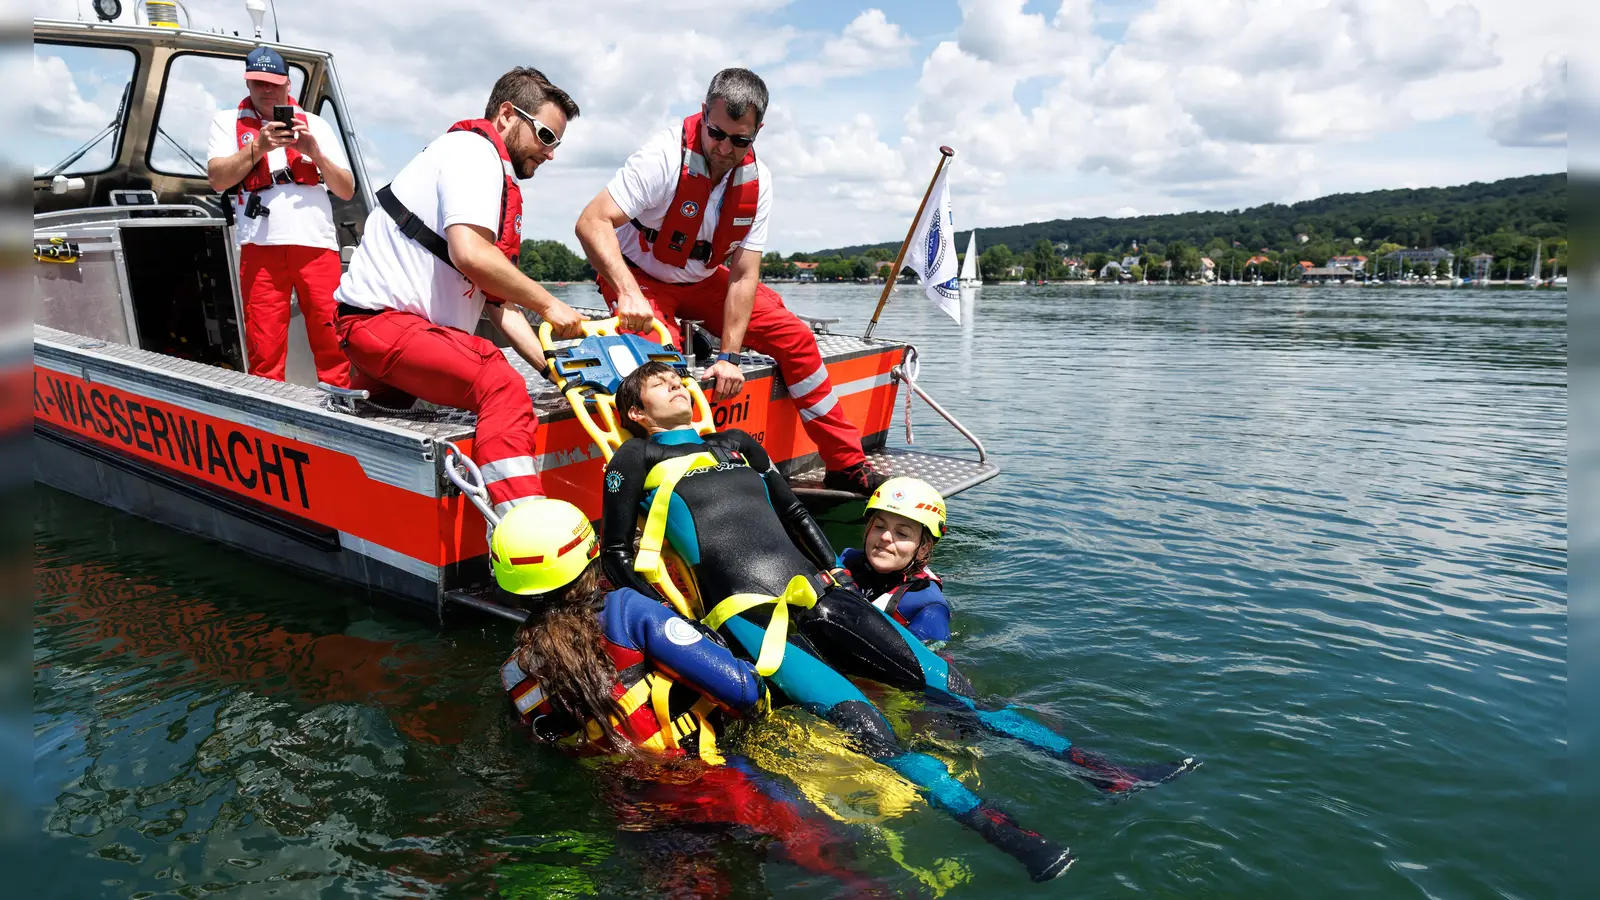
1055	109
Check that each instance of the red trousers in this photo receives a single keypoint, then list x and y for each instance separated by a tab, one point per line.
774	331
266	275
447	366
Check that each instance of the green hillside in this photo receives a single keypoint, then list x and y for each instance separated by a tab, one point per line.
1505	218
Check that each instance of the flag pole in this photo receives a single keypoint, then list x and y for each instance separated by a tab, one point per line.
945	153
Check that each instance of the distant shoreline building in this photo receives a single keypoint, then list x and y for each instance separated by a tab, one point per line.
1433	255
1355	264
1326	275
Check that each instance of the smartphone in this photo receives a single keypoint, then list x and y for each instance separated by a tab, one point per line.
283	115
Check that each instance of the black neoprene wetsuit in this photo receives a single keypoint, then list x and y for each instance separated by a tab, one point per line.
742	529
738	524
735	520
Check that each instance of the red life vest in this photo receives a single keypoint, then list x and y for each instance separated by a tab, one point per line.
676	241
248	128
642	708
891	600
509	238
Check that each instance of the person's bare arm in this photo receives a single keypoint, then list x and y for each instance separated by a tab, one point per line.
473	252
226	171
519	332
744	273
337	179
597	232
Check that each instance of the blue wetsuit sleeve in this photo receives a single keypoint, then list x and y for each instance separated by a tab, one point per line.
927	613
680	650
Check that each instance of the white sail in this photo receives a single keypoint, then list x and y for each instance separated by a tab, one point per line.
969	263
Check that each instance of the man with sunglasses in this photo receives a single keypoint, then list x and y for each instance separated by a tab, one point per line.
441	252
679	232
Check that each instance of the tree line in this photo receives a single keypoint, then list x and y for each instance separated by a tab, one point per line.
552	261
1508	219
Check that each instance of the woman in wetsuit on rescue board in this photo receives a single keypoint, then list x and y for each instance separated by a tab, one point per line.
742	529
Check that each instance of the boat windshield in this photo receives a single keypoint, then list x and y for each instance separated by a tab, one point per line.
197	87
80	102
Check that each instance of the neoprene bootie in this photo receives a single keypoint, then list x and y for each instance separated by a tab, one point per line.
1042	858
1116	778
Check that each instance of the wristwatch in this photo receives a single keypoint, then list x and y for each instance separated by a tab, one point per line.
735	358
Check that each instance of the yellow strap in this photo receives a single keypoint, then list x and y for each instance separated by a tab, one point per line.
635	697
708	736
664	477
660	693
799	592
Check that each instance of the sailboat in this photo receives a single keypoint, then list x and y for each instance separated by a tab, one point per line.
969	264
1538	257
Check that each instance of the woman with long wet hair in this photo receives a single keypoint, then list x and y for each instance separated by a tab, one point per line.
614	672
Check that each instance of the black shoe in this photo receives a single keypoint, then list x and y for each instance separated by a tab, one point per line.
1042	858
860	478
1115	778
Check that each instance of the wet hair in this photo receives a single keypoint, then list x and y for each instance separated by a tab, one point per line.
561	645
740	91
628	394
528	89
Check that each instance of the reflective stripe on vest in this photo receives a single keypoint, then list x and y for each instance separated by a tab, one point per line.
655	729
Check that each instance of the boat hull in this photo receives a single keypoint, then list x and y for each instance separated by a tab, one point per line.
264	467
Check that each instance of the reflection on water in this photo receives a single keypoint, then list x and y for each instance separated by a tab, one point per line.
1315	536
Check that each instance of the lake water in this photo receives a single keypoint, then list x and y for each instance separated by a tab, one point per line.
1314	536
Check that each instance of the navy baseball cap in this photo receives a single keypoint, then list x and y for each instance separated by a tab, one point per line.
264	64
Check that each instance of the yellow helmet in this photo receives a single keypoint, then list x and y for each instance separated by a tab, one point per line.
540	546
913	498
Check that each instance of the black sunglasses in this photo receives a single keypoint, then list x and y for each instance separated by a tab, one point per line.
717	134
543	132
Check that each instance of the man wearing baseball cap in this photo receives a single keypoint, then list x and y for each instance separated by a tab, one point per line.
277	176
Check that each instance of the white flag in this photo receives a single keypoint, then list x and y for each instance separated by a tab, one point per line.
933	250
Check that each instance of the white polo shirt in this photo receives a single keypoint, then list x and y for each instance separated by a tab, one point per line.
301	215
456	179
643	190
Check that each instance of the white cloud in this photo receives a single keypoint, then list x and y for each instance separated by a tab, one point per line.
1195	104
1537	117
59	107
869	43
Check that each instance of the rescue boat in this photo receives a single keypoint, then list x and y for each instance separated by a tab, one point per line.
141	401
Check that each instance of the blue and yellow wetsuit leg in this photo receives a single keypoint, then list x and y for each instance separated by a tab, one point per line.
810	683
740	526
859	639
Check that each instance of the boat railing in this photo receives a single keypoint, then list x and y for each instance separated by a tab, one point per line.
907	372
468	478
95	215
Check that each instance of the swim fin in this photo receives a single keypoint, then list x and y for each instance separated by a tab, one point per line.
1116	778
1042	858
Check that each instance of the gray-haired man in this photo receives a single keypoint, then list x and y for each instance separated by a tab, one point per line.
680	230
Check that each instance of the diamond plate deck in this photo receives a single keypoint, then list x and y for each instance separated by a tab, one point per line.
949	475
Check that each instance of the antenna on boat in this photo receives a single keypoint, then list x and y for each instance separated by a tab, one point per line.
258	14
899	258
